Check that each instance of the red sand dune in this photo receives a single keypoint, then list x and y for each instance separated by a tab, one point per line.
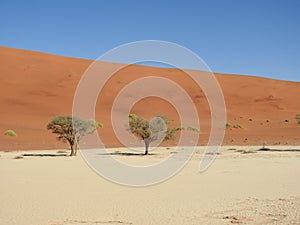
37	86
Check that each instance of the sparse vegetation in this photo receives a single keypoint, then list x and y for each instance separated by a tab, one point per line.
10	133
228	125
195	129
157	129
72	129
298	118
238	126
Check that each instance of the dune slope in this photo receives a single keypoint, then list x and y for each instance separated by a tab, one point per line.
37	86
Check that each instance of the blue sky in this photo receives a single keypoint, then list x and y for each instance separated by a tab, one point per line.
254	37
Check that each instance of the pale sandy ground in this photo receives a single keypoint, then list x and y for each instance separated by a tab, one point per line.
253	188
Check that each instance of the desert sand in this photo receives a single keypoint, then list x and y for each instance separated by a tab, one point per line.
243	186
37	86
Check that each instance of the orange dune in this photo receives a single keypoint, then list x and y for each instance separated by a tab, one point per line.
37	86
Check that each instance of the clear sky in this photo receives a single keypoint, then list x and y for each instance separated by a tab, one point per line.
254	37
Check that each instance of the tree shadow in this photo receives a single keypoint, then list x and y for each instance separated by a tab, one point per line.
45	155
125	154
278	150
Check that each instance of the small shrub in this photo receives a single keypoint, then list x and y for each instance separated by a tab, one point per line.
10	133
228	125
195	129
238	126
298	118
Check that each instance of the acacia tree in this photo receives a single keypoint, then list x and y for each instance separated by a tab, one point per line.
72	129
157	129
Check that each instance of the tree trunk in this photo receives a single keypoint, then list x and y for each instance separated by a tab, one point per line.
73	151
75	148
147	143
76	144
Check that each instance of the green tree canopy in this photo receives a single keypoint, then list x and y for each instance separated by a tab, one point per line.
157	129
72	129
